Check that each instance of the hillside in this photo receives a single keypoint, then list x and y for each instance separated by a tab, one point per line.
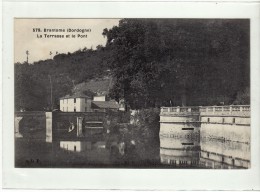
97	85
154	62
35	81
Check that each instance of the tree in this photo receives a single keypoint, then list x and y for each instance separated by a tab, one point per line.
243	97
162	61
32	83
29	94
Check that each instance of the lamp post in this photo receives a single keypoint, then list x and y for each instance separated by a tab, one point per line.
27	53
51	92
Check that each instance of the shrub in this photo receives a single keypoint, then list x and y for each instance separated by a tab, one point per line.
243	97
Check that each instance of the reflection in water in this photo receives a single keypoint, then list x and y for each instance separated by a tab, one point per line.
204	153
182	152
175	152
218	154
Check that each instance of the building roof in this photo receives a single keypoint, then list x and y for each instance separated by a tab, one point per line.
103	95
75	95
105	104
100	86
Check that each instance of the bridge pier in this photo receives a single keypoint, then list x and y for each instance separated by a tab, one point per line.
17	127
79	127
49	127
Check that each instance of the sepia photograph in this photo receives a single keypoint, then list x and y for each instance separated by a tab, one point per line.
157	93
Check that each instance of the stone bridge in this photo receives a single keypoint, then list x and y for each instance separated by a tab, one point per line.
30	124
53	126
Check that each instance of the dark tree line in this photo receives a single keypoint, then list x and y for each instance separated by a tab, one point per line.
33	81
154	62
168	62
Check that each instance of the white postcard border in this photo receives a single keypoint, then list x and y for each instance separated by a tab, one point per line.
160	179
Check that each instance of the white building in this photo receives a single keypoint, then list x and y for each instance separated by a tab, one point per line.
99	98
77	102
80	102
76	146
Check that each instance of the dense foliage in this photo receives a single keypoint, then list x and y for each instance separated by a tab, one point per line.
145	133
141	138
167	62
154	62
33	81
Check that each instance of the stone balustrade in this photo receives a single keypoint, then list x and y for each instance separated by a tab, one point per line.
207	110
233	110
173	110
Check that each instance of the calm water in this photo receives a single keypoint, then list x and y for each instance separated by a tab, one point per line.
204	153
173	153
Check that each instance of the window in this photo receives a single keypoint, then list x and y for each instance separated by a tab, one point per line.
223	120
208	120
187	143
234	120
74	100
187	128
74	109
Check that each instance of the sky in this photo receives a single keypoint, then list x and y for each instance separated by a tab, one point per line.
40	46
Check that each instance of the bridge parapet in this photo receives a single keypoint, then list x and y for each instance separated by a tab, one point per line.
179	110
233	110
30	114
241	110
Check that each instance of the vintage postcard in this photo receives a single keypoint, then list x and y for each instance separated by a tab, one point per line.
142	94
132	93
